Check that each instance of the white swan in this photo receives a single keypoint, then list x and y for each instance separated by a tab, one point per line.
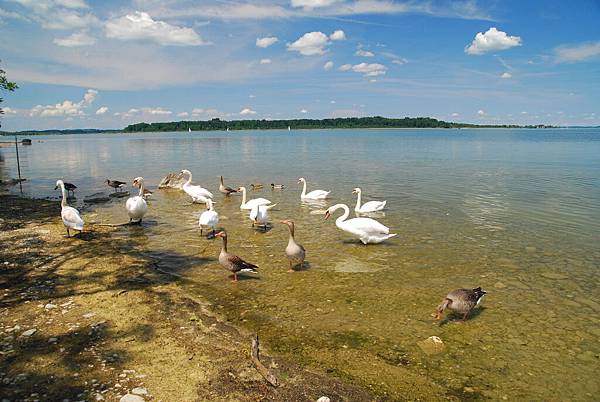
369	206
198	193
209	218
256	201
259	215
313	195
136	206
70	216
366	229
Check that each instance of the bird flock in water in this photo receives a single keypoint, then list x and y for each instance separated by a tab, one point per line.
367	230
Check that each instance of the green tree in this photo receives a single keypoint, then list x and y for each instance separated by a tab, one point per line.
5	85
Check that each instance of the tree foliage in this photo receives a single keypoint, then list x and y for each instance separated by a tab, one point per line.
5	85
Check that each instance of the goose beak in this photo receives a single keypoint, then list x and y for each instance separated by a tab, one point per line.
327	215
220	234
438	316
284	222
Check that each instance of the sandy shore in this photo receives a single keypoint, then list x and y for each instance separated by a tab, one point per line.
87	318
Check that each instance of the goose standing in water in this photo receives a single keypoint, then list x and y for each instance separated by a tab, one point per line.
225	190
295	252
136	206
369	206
366	229
313	195
232	262
70	187
70	216
116	184
463	301
209	218
198	193
256	201
259	216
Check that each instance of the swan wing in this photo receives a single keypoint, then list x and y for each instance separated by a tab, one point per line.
373	206
71	218
366	225
317	194
209	218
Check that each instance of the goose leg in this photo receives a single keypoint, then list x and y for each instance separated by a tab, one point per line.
290	270
68	234
235	277
200	231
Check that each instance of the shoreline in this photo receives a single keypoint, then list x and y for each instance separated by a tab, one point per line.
89	318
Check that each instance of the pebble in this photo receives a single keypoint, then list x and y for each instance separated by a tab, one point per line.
52	340
131	398
432	345
89	315
324	399
139	391
50	306
29	332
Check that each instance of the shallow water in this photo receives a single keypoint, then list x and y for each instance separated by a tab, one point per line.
514	211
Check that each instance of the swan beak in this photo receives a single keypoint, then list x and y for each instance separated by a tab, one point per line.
255	222
327	215
353	191
55	188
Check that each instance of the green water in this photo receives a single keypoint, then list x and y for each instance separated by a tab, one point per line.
514	211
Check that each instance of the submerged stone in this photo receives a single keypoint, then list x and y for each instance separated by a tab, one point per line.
432	345
554	275
131	398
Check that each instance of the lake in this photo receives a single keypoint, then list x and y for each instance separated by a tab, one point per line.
514	211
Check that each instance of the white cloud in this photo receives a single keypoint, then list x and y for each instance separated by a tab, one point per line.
303	111
338	35
506	75
573	54
8	110
266	41
310	4
328	66
102	110
332	102
481	113
183	114
311	43
251	96
369	70
364	53
455	114
492	40
266	61
247	111
66	108
75	40
156	111
400	61
140	26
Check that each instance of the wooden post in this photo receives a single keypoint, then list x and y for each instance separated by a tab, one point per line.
18	164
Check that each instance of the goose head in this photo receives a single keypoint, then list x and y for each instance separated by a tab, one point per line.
222	234
289	223
107	181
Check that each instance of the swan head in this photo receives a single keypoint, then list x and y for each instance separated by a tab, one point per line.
301	180
241	189
137	181
356	191
59	183
327	214
185	171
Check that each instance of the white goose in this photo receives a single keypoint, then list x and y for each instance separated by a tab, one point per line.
198	193
137	206
369	206
256	201
259	215
366	229
70	216
313	195
209	218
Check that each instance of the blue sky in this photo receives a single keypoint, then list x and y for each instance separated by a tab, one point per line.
106	64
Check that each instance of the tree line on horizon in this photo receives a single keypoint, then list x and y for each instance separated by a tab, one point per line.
345	122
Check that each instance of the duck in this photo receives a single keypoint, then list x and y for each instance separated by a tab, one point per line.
70	216
313	195
462	301
147	193
70	187
209	218
295	252
277	186
198	193
225	190
256	186
367	230
259	215
369	206
256	201
136	206
232	262
116	184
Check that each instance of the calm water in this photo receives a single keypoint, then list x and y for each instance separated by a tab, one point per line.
514	211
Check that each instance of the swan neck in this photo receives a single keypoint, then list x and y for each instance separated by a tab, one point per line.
243	195
63	202
189	180
303	187
358	200
344	216
141	188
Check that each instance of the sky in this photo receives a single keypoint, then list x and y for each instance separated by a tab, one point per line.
110	63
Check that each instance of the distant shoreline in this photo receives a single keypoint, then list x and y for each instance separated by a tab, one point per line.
376	122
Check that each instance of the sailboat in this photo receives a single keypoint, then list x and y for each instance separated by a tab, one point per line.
227	128
289	128
189	130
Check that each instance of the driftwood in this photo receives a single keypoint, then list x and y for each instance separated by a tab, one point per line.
271	379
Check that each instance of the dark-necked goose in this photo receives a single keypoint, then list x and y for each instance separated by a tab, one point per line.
232	262
116	184
463	301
